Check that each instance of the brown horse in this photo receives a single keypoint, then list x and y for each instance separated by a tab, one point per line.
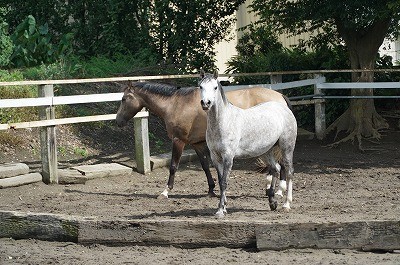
185	120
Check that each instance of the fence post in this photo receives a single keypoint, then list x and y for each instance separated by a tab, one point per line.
48	144
275	79
319	106
142	150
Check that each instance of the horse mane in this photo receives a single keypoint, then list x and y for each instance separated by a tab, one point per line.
221	90
163	90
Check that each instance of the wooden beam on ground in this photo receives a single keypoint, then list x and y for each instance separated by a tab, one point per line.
362	235
20	180
190	233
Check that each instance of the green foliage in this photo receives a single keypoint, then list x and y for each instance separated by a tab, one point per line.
33	45
309	15
182	33
6	45
81	151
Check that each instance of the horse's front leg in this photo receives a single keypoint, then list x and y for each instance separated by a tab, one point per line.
223	175
177	149
204	156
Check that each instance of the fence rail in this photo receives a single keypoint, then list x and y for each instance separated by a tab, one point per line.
46	103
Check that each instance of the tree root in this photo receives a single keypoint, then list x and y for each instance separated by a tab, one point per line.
367	128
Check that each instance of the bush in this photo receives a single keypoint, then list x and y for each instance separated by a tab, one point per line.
33	45
6	46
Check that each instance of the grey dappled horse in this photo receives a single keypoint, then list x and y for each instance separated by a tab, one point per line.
243	133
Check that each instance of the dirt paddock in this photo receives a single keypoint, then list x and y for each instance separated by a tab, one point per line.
331	184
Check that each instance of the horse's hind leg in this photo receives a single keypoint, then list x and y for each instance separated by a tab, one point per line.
204	156
277	155
177	149
287	170
271	181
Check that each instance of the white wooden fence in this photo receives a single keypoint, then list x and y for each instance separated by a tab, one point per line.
46	102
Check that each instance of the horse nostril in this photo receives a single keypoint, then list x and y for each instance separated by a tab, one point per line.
202	102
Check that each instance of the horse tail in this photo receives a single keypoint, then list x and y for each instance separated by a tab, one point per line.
288	102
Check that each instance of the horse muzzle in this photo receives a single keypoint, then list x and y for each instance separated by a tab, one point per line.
120	122
205	104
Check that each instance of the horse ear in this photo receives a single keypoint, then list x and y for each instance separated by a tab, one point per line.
202	73
215	74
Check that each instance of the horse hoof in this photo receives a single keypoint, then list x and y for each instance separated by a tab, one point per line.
273	205
286	208
219	214
162	196
212	194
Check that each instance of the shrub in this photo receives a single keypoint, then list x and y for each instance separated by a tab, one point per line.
33	44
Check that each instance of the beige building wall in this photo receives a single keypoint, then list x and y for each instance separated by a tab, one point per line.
227	49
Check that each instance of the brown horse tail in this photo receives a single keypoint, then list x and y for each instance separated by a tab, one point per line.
262	166
288	102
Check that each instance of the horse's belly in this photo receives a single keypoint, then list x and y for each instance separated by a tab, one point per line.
254	149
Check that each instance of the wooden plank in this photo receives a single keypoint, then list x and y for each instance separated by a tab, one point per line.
20	180
52	122
362	235
25	102
13	169
71	176
306	102
275	86
358	97
237	87
183	233
138	78
94	80
103	170
281	86
190	233
359	85
50	227
60	100
77	99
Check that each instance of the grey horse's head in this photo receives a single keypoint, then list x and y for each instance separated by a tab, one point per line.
209	87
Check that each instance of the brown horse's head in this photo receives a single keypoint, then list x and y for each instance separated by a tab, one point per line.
130	106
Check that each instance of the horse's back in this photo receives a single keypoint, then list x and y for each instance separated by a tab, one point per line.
246	98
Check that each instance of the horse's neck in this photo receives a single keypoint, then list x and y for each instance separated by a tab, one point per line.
156	104
222	111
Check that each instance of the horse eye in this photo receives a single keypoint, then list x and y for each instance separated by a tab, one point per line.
215	88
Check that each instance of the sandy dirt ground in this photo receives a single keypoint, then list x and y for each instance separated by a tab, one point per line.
331	184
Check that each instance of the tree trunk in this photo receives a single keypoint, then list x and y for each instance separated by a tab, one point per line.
361	119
